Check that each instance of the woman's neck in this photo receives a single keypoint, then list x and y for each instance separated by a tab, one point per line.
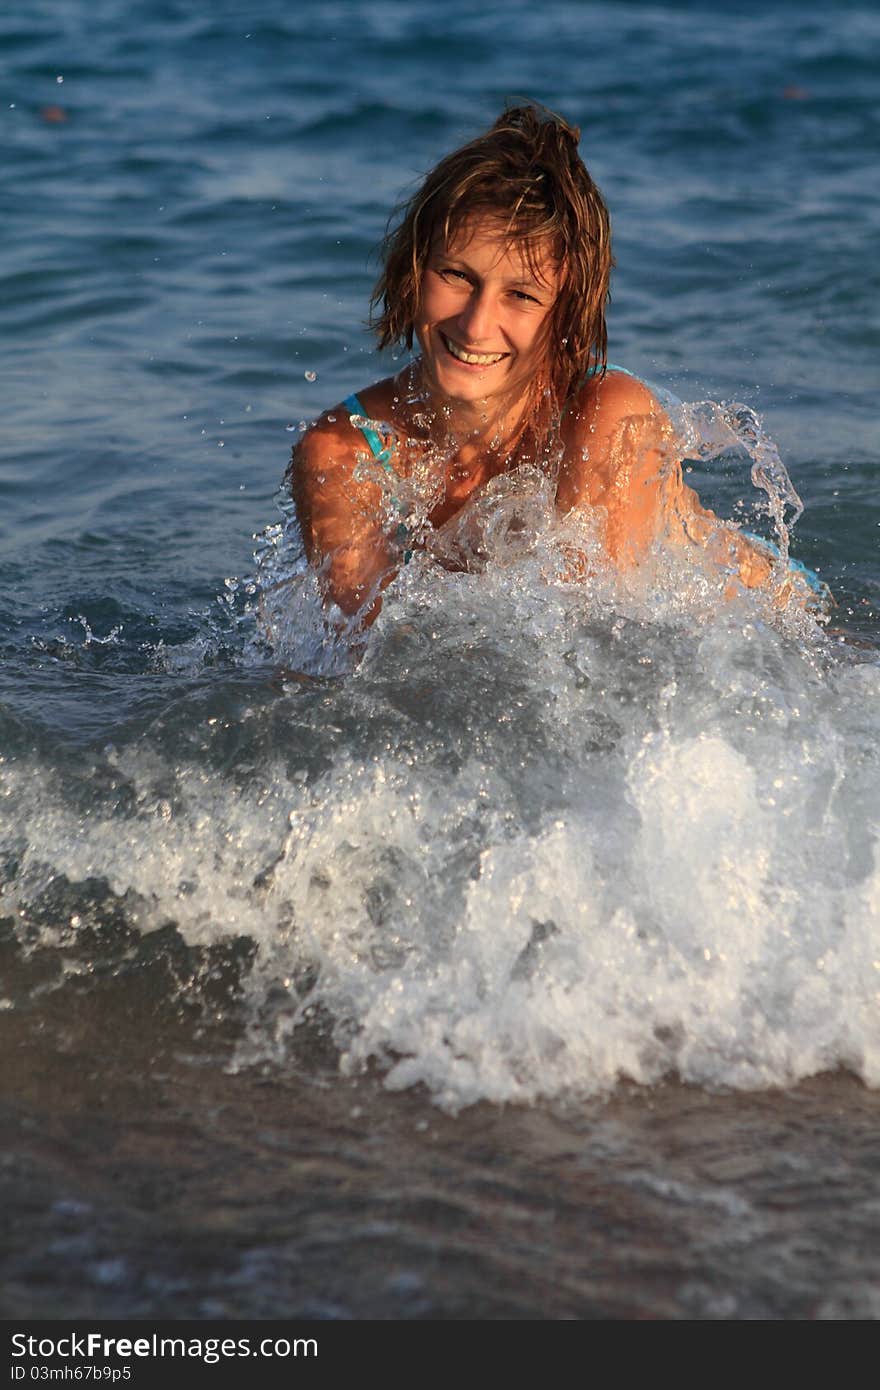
493	425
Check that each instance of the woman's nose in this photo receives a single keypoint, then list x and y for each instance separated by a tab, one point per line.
476	317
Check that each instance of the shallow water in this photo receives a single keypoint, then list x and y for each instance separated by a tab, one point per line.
525	963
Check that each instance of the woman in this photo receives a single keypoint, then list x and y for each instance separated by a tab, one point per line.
499	270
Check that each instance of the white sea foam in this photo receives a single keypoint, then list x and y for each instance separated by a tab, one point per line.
530	847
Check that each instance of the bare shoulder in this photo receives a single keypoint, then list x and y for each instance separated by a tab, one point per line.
330	435
332	439
613	429
605	402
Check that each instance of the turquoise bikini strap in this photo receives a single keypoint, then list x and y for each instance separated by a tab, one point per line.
354	407
612	367
819	587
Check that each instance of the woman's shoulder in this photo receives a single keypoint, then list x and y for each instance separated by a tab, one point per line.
616	393
605	402
613	422
344	425
376	401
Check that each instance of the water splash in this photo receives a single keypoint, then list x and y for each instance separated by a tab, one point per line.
90	637
514	514
528	847
707	429
545	834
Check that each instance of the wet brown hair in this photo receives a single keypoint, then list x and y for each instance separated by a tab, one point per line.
526	171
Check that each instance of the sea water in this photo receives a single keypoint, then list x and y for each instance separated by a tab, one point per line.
544	917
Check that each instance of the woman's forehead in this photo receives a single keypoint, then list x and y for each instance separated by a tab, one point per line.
490	238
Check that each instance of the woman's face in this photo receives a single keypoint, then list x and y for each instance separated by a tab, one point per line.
485	314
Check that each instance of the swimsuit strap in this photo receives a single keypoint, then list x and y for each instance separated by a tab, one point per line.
610	367
380	451
796	567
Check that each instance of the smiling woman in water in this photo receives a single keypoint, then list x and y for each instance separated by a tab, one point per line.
499	271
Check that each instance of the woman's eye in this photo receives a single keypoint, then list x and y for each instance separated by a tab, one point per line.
450	273
525	298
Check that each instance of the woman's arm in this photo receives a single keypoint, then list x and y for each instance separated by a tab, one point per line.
340	513
621	455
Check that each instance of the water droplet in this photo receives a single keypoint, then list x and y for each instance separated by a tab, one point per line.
310	376
220	443
289	428
59	79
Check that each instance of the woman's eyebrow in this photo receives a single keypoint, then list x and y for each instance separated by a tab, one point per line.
531	284
527	280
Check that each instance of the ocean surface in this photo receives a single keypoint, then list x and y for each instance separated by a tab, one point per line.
524	961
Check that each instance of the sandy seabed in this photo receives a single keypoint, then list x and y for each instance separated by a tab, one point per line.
144	1181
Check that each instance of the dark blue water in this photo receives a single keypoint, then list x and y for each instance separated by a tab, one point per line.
370	994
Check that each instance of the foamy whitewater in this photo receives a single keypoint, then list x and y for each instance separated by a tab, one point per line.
526	839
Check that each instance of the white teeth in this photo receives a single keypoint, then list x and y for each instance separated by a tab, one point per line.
474	359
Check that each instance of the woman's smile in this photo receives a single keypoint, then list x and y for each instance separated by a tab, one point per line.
470	356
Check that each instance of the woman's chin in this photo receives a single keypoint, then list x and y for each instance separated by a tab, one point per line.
460	383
